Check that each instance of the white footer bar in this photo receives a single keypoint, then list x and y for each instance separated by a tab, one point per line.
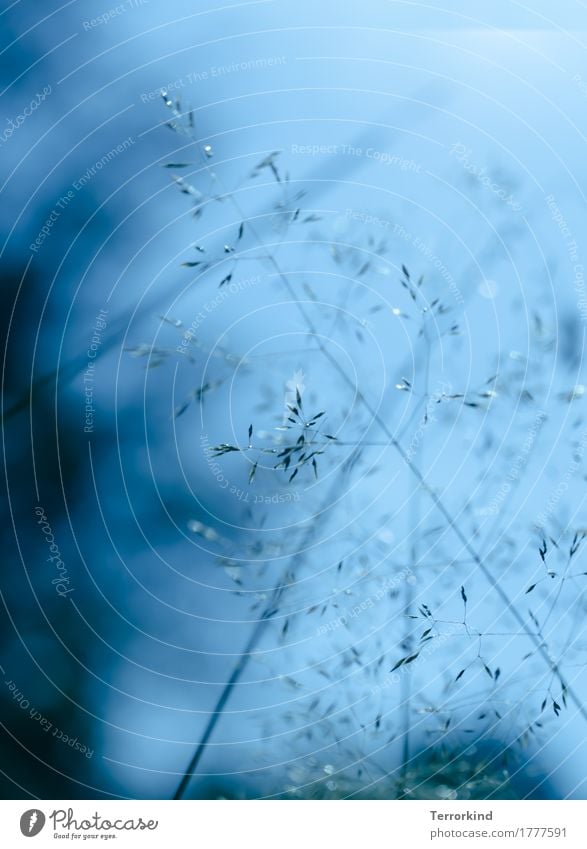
295	824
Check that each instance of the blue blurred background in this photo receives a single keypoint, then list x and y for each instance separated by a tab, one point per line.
446	139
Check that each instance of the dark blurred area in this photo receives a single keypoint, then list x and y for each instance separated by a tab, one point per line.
116	631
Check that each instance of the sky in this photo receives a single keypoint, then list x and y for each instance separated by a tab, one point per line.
454	135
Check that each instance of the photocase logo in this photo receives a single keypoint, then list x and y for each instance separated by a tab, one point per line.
32	822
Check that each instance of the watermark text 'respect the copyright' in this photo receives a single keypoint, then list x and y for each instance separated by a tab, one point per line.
384	157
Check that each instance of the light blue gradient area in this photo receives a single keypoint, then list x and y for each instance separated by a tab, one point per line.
420	119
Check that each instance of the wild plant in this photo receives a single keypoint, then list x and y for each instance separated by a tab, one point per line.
414	642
